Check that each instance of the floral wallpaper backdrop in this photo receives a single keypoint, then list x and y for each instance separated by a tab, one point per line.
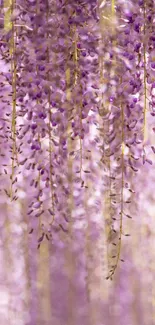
77	145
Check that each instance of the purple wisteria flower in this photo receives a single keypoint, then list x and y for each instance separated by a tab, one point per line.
77	103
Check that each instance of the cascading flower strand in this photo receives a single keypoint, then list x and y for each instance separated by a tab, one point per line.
77	82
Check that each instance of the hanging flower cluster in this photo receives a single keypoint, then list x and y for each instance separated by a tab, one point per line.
77	82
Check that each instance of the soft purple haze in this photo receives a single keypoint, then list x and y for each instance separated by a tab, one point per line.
77	145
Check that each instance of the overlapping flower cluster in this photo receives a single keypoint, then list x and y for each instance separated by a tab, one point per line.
77	81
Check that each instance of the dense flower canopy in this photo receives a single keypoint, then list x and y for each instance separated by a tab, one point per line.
77	108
